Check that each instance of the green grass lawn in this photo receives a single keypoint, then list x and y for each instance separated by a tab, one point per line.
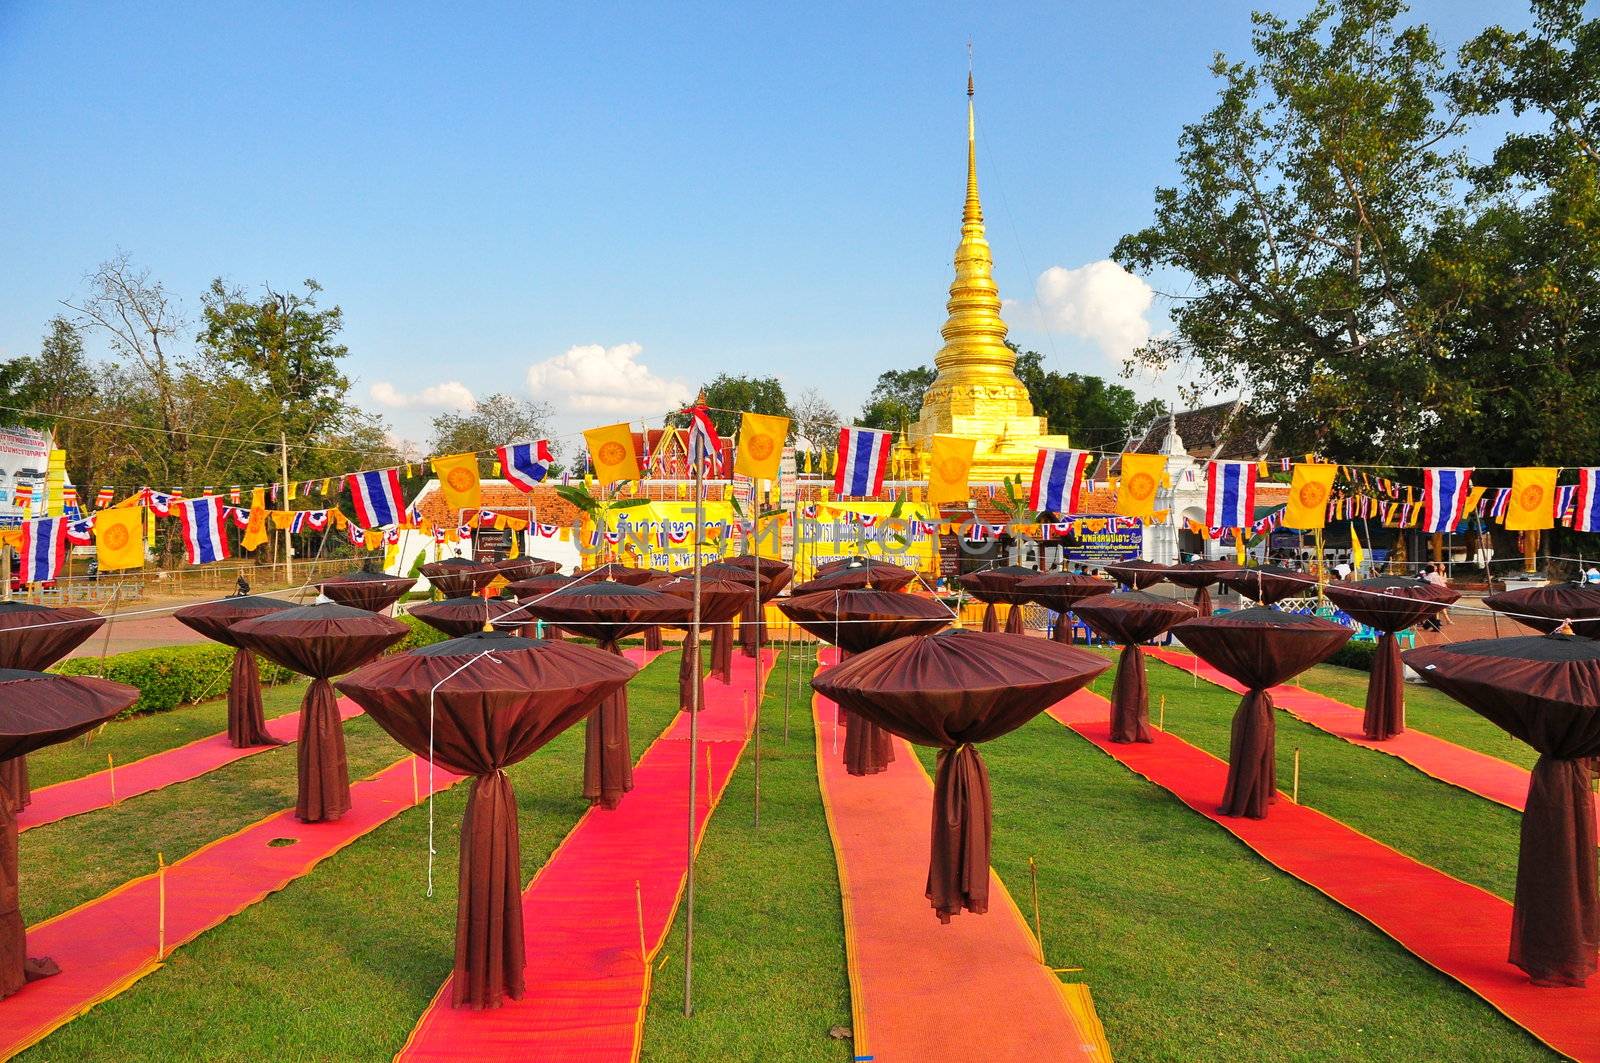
769	973
340	963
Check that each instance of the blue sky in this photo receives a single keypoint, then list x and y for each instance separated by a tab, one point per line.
672	192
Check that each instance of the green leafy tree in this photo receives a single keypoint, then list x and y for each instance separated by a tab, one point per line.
729	395
495	420
896	399
1093	411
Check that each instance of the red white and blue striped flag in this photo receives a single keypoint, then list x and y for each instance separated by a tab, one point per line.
1058	480
1586	513
1444	497
376	496
44	549
526	464
704	445
863	460
1230	494
205	537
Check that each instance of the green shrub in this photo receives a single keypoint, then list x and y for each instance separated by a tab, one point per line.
1357	655
421	635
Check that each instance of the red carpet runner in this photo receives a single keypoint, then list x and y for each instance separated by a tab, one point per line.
1457	928
109	943
923	992
77	796
1489	777
587	983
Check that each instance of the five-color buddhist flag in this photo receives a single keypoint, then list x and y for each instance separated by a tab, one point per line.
1230	494
458	479
43	550
119	539
205	536
863	460
1444	497
1309	489
525	464
1586	511
1058	481
949	467
1533	499
1141	476
611	451
760	449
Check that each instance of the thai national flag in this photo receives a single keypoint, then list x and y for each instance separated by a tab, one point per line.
377	497
44	549
863	459
1564	497
704	444
1444	497
205	537
526	464
1058	480
1586	515
1230	494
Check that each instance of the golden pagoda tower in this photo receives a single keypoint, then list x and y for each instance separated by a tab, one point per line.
977	393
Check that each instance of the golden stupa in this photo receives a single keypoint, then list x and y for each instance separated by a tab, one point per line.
977	393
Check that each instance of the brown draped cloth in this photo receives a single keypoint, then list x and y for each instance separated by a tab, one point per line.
373	591
512	569
1544	690
857	621
607	612
748	611
1136	573
1267	584
32	638
464	616
1546	608
457	577
247	725
320	641
1198	576
1388	604
720	602
775	576
490	715
1131	618
997	586
858	574
533	587
1259	647
950	690
1060	591
40	710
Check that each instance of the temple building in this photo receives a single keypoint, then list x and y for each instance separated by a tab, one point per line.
976	393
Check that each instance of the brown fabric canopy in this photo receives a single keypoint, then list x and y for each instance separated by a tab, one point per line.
857	621
536	587
1260	647
457	577
775	576
373	591
720	601
1268	583
1546	608
614	572
1131	617
492	713
1137	573
320	641
608	612
998	586
1198	576
247	725
1388	604
464	616
512	569
825	567
32	638
1060	591
40	710
1544	690
858	573
950	690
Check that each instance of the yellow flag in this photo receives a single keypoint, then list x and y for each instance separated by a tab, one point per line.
760	449
255	532
372	538
1532	504
1142	474
282	519
1358	556
949	467
119	539
611	450
1309	489
1238	545
458	479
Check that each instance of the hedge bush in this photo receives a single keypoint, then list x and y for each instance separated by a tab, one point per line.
170	676
1357	655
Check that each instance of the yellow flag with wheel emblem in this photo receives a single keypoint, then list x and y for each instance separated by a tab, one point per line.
949	467
119	539
611	451
1532	504
760	449
255	532
458	479
1142	476
1309	489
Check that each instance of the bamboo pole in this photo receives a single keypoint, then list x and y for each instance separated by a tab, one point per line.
638	903
111	775
1038	924
788	676
416	794
1161	717
161	907
694	741
1295	796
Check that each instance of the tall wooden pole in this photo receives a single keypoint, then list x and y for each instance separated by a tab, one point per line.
283	468
694	740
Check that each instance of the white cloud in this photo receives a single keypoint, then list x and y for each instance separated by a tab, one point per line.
1100	302
610	380
450	395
